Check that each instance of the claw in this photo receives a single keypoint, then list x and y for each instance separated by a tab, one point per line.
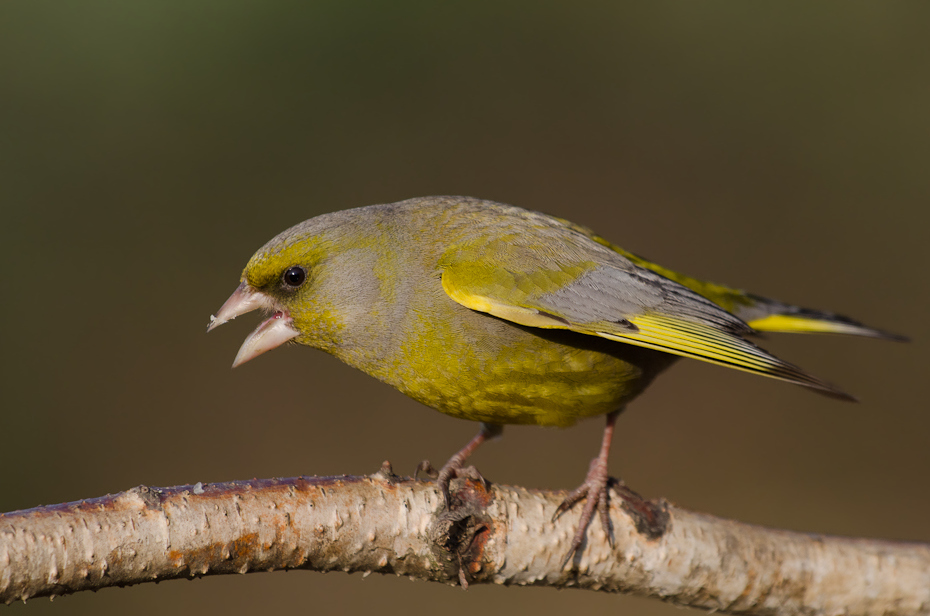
427	469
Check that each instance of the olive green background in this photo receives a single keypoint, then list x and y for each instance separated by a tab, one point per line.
147	148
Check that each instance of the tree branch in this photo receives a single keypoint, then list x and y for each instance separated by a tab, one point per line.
496	534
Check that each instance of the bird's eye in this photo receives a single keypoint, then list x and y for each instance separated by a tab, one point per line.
294	276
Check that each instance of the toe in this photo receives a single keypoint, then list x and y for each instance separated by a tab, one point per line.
427	469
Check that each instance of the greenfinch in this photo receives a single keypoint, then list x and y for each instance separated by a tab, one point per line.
502	315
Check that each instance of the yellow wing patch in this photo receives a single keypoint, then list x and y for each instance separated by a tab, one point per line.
515	314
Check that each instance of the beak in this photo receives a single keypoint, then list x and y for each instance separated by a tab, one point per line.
244	299
271	333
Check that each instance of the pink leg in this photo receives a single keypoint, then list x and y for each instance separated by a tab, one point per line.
454	467
595	490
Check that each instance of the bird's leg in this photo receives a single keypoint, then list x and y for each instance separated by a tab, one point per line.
454	467
595	490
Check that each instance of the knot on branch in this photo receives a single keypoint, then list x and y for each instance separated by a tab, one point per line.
459	534
650	517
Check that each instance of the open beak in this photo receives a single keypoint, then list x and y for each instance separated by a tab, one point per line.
271	333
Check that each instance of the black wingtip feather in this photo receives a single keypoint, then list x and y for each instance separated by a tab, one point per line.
793	374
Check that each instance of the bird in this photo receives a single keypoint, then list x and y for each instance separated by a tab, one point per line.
501	315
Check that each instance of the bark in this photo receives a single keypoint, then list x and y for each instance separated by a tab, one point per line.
494	534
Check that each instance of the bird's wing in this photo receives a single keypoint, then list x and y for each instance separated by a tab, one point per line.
610	297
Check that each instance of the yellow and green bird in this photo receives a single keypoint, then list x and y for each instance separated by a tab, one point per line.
501	315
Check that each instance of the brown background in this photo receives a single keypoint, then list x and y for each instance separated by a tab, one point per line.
147	148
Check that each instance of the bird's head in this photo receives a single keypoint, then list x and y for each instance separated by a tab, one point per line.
283	280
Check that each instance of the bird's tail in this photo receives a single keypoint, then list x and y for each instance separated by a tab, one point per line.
767	315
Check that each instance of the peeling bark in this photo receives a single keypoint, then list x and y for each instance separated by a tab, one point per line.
497	534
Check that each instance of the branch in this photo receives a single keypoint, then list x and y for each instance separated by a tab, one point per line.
496	534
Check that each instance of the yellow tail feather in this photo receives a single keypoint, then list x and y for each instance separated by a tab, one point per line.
816	324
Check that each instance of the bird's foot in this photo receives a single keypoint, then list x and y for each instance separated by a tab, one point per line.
595	492
453	469
650	517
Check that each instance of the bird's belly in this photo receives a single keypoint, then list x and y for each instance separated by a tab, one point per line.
535	390
506	374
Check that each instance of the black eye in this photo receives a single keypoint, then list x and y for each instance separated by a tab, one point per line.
294	276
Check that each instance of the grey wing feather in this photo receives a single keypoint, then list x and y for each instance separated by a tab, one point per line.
609	294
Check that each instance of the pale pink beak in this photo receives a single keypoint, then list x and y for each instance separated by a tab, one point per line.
270	334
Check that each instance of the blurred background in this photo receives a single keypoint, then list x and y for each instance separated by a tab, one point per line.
148	148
